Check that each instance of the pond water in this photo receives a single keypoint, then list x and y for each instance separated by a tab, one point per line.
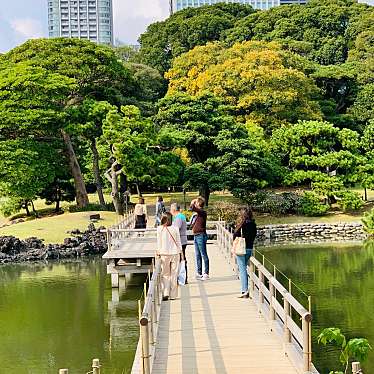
62	315
340	279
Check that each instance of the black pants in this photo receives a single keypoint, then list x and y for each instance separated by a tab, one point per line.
184	246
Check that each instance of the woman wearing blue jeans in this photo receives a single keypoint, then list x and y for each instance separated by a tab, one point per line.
245	228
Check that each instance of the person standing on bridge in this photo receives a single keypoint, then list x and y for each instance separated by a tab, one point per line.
179	221
141	216
200	238
169	249
245	228
160	210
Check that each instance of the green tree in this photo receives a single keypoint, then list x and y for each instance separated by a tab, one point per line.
135	153
192	123
27	167
318	153
320	30
150	86
220	152
42	79
88	122
186	29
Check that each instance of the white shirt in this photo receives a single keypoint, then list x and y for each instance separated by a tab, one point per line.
140	209
168	240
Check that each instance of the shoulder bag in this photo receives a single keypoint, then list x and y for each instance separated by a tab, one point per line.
239	246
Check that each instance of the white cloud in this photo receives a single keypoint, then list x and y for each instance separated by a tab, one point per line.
132	18
141	8
27	28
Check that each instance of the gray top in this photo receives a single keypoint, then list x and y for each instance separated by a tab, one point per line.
180	222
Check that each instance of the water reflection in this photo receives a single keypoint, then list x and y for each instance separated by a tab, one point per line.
340	279
56	315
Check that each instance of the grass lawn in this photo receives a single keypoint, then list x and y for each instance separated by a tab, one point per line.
54	229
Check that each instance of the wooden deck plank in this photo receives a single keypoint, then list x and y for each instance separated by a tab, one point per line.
209	330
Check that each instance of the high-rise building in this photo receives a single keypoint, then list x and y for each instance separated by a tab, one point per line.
176	5
83	19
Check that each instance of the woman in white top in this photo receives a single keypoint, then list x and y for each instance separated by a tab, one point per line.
169	249
140	212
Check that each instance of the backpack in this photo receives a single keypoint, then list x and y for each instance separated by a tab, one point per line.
161	209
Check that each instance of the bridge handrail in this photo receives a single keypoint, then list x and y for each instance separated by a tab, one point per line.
264	287
149	317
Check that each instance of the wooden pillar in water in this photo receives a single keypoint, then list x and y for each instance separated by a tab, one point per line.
95	366
115	280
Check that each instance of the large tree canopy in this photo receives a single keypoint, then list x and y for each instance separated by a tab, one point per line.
320	30
41	83
263	83
320	154
221	155
186	29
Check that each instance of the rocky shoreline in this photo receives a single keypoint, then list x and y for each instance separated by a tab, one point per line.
309	233
81	244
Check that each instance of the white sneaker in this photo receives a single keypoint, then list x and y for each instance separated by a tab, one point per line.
199	277
205	277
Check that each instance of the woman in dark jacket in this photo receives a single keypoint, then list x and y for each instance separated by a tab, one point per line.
245	228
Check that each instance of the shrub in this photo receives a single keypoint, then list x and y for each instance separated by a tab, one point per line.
225	211
276	204
310	205
349	201
368	222
92	207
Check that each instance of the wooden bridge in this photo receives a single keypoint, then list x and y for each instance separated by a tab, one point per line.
208	329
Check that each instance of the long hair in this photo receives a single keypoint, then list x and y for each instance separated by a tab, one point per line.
246	214
166	219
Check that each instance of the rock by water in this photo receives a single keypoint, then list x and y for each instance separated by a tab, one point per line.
89	242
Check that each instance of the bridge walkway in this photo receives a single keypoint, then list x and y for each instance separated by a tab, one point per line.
209	330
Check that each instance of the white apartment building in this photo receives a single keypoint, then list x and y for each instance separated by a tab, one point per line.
83	19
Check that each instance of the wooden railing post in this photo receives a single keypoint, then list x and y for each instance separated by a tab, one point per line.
287	313
251	281
260	293
356	368
271	301
144	333
307	355
95	366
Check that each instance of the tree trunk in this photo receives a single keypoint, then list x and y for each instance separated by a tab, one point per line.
204	192
26	205
34	210
365	194
138	190
96	172
80	187
112	175
57	208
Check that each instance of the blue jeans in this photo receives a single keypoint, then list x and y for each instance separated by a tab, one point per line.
242	262
201	253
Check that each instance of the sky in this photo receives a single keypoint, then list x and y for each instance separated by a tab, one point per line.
24	19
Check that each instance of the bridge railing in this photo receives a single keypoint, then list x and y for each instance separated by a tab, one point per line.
117	231
149	313
285	314
124	230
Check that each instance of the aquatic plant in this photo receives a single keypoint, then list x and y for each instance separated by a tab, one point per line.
353	349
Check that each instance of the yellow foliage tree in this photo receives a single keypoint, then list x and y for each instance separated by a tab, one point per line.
263	83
